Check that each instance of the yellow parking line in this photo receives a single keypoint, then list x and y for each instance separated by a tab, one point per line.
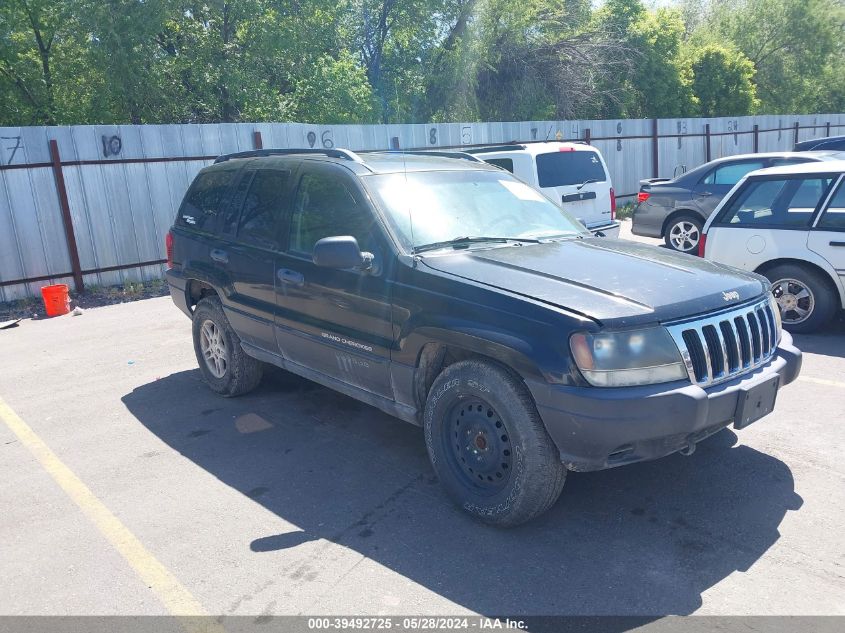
175	597
822	381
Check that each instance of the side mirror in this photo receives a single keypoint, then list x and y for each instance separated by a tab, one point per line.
341	251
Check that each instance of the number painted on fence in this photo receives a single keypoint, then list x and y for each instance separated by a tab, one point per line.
466	135
11	147
326	137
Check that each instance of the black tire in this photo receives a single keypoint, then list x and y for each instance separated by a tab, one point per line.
822	305
242	372
691	224
481	411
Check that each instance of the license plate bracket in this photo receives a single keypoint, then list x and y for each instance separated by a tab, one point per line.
755	402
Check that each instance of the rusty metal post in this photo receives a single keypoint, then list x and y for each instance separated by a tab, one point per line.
795	134
588	136
257	141
70	236
707	150
827	128
655	150
756	138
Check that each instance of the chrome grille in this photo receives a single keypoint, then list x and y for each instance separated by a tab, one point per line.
724	345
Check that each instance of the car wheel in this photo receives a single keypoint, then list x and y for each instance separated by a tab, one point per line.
805	300
683	234
488	444
224	365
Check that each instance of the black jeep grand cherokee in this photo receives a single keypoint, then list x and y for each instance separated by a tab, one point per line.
448	293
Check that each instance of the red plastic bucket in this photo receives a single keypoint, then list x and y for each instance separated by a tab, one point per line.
56	299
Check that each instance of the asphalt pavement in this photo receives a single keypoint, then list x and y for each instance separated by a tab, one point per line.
128	487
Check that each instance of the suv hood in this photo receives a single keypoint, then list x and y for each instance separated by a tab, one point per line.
612	281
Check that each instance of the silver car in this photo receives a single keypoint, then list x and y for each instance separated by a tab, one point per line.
676	209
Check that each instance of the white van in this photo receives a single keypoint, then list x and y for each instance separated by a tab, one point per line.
573	175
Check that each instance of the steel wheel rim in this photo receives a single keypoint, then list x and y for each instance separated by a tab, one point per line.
213	348
684	236
795	300
478	445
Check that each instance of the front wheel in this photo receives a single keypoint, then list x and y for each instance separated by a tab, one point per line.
683	234
488	444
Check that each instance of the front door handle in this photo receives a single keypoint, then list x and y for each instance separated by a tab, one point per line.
219	256
290	277
704	194
837	243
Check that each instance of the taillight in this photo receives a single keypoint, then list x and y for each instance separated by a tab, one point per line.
701	242
612	204
642	196
168	245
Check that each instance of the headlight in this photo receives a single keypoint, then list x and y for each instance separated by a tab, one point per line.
627	358
773	304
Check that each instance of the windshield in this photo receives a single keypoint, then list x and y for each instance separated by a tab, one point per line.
438	206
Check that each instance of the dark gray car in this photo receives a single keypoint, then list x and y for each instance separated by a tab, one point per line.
676	209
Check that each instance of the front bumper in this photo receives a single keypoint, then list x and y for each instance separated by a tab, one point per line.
597	428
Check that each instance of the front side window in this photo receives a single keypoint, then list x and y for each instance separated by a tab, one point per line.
732	173
561	169
834	216
202	205
436	206
263	207
325	207
783	202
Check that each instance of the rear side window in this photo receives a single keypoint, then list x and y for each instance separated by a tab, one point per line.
263	205
202	204
834	217
782	202
559	169
504	163
732	173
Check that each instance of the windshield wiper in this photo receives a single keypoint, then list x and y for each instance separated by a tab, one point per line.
468	239
586	182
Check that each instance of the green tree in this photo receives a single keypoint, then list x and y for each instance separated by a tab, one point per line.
793	44
723	82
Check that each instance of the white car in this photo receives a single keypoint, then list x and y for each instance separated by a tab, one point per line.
787	223
573	175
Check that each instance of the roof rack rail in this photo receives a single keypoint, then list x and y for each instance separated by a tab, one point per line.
505	147
256	153
425	152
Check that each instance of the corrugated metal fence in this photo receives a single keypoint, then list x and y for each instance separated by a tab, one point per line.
93	203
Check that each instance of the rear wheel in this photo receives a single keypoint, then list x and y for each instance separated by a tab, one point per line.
683	234
805	299
488	445
224	365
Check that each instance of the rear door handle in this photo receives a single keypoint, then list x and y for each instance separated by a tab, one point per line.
837	243
219	256
704	194
290	277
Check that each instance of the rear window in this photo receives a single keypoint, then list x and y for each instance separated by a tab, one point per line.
732	173
782	202
504	163
202	204
559	169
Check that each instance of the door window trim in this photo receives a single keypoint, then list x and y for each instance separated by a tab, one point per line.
821	205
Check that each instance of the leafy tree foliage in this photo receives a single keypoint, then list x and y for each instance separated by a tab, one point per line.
332	61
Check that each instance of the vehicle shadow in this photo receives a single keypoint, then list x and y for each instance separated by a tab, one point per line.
645	539
829	342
